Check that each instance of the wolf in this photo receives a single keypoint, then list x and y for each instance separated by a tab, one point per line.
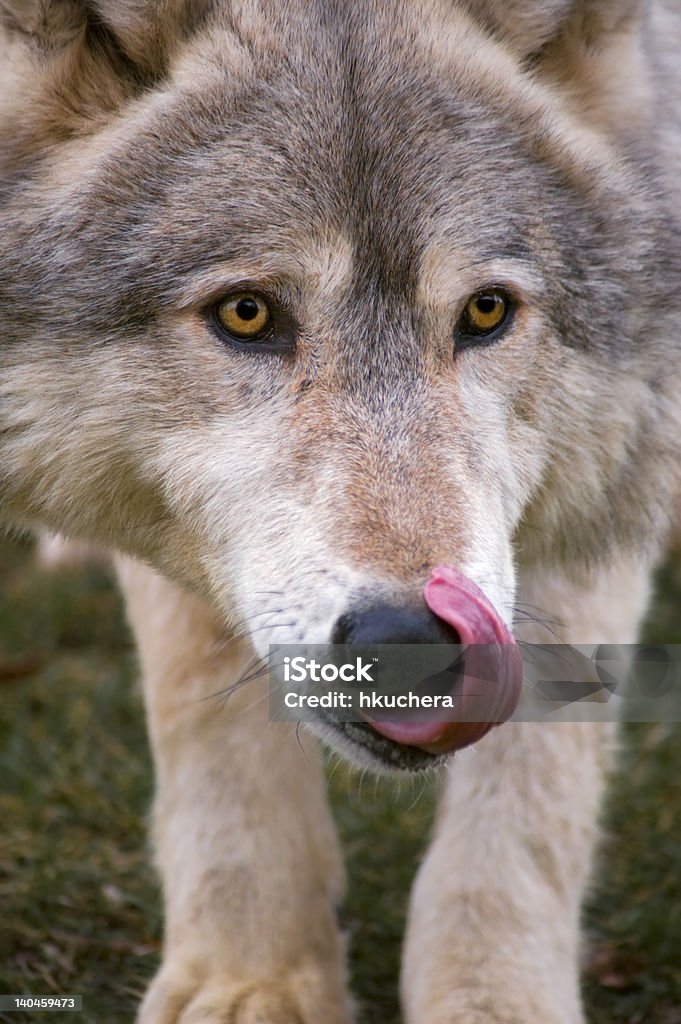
300	301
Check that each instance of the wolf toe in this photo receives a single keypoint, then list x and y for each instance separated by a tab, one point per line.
301	998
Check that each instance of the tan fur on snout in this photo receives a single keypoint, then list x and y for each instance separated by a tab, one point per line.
366	169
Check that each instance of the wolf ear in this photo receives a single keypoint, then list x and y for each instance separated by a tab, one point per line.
139	32
528	26
147	30
592	49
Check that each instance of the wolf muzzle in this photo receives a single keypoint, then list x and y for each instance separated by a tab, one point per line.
485	681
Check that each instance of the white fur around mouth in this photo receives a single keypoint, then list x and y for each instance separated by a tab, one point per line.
361	745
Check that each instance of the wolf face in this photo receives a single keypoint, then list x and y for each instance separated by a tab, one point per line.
457	358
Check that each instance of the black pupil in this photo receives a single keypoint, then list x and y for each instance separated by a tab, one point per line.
487	304
247	309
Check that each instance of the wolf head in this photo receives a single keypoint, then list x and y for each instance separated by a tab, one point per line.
300	300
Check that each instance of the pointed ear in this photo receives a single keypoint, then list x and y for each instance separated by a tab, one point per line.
149	30
141	33
528	26
71	63
593	50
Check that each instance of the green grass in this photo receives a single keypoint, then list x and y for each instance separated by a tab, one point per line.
79	902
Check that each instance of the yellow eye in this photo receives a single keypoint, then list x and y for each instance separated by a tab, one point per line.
484	313
245	315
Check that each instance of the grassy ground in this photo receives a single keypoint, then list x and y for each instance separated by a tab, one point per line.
79	903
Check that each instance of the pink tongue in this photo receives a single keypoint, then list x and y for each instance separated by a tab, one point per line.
490	690
461	603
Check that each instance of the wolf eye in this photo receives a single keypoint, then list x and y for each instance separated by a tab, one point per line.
485	314
245	316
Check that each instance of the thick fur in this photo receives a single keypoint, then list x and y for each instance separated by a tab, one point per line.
370	166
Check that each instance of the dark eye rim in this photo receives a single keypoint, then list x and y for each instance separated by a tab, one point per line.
464	338
279	337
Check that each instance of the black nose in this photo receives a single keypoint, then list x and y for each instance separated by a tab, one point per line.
392	624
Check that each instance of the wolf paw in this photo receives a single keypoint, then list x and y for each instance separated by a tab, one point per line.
303	997
475	1012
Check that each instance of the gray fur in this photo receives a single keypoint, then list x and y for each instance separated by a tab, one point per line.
341	121
368	167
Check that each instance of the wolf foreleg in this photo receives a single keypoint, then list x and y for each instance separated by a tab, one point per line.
244	839
494	925
493	933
